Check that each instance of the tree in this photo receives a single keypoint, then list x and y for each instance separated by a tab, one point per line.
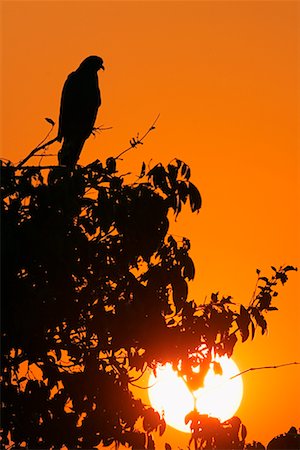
95	291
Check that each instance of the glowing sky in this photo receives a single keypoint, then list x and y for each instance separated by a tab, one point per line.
223	76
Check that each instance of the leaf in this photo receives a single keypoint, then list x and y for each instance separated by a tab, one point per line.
243	322
173	172
265	300
171	322
192	416
57	352
151	420
143	170
226	300
282	277
260	320
185	171
151	443
183	191
258	271
180	291
189	268
214	297
162	427
264	279
159	178
195	197
243	432
50	121
111	165
252	330
287	268
217	368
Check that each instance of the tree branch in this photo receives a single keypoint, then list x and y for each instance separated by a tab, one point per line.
264	367
32	153
134	142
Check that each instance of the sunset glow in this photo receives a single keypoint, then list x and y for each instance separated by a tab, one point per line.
219	398
224	77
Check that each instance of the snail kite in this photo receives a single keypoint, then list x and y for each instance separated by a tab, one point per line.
79	105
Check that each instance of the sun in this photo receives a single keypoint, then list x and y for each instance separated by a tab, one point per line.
220	397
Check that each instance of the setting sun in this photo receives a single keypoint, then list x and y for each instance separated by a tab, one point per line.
220	397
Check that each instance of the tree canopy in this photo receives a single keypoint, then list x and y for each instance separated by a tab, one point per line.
94	292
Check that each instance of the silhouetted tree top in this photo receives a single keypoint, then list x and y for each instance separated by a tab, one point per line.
79	105
95	291
286	441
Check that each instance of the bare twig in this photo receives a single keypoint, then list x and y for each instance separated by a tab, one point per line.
40	147
99	129
137	141
264	367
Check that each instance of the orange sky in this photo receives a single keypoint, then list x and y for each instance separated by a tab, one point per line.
223	76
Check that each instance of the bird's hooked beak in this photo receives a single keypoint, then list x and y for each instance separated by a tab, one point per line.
102	67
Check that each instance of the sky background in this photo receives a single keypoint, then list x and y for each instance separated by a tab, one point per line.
224	78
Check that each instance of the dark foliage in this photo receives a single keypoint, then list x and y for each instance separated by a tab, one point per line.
94	291
210	433
287	441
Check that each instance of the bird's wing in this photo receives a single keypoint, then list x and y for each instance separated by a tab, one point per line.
67	104
79	105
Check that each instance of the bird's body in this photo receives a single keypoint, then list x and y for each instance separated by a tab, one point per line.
80	101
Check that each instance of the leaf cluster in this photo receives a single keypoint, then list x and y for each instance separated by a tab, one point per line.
77	316
94	292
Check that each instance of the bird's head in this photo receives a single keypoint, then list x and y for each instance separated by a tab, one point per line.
93	63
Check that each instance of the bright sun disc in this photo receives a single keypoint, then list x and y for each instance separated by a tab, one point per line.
220	397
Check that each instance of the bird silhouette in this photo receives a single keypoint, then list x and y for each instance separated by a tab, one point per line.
79	105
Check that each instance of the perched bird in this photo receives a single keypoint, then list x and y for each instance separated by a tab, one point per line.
79	105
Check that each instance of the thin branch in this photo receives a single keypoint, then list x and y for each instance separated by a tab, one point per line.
134	380
264	367
134	142
99	129
39	167
143	387
33	152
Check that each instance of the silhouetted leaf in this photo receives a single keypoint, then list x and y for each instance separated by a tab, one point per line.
185	171
162	427
288	268
243	322
217	368
260	320
192	416
264	279
265	300
195	197
143	170
50	121
172	173
150	444
111	165
243	432
214	297
189	268
252	327
229	344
